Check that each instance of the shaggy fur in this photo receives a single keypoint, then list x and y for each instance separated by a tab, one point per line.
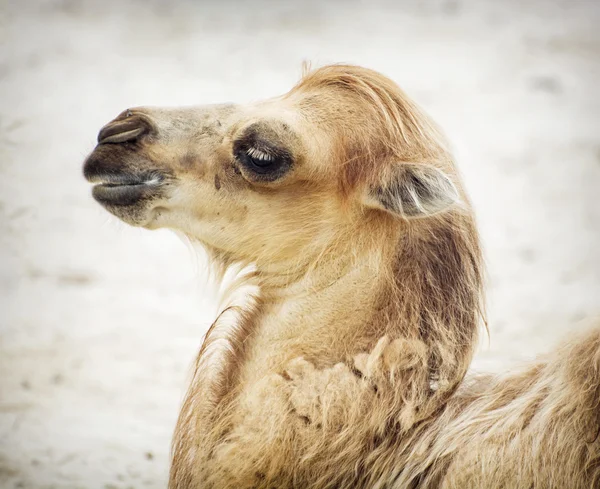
343	364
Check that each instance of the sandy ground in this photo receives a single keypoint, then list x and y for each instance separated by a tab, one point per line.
99	322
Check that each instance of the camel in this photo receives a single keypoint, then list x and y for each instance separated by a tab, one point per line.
340	358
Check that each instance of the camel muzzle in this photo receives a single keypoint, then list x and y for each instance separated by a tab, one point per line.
125	179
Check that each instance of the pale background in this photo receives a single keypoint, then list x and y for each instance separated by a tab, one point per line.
99	322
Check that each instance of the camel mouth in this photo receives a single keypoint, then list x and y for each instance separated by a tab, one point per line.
125	190
124	179
120	178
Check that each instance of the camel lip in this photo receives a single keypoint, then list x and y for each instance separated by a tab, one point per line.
112	182
123	179
125	189
128	194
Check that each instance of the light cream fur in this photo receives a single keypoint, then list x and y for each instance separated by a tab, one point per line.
345	364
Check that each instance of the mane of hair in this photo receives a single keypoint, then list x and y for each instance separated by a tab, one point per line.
379	125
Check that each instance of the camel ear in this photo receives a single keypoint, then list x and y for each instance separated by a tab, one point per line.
414	190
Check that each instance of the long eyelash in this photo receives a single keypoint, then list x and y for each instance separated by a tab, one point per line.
259	155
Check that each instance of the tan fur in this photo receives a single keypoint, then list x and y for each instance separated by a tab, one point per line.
344	363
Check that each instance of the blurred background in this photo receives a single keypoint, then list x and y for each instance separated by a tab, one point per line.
99	322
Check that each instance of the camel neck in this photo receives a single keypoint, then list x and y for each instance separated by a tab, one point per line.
317	317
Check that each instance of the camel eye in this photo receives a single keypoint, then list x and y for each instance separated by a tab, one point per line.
261	154
263	163
260	162
259	159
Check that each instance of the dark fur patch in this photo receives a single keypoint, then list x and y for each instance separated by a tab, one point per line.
189	160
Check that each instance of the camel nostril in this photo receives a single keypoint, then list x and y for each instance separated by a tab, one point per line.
121	131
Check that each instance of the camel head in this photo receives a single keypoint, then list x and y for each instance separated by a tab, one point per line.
343	152
341	186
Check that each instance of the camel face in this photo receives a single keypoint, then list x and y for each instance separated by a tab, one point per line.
264	182
237	178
